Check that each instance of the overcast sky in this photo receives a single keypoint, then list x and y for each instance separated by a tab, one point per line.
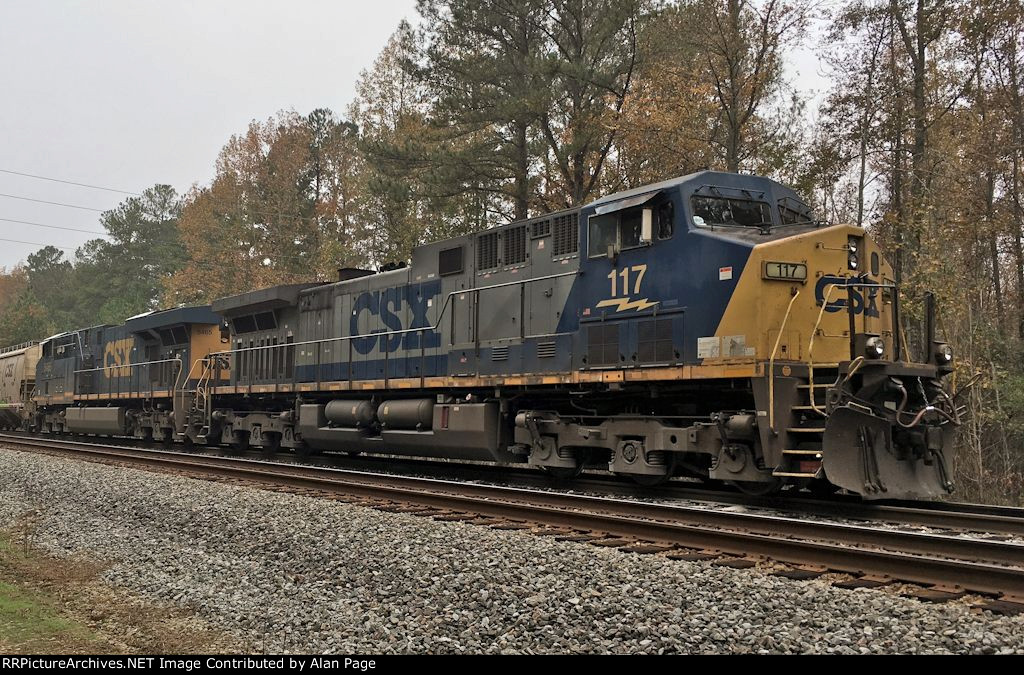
128	93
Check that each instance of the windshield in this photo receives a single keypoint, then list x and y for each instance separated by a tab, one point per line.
726	211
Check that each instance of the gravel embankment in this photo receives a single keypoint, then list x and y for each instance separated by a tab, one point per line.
298	574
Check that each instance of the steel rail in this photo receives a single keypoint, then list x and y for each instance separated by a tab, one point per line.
971	564
948	516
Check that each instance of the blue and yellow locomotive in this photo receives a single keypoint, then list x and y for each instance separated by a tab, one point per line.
706	326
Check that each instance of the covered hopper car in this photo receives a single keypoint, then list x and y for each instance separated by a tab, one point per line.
17	379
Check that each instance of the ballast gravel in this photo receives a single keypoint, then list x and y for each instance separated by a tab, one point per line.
296	574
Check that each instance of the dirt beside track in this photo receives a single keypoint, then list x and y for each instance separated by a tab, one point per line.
60	606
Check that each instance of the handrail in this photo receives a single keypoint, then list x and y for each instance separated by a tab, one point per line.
810	345
22	345
176	360
403	331
771	365
821	313
127	365
204	377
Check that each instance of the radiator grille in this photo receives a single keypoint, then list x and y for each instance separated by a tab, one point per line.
541	228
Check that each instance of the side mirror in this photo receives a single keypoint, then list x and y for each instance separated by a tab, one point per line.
647	227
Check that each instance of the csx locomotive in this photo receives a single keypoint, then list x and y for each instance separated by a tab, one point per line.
704	326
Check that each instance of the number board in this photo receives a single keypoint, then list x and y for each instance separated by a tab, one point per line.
785	271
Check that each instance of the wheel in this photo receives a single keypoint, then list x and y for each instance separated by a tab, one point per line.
822	488
758	488
561	473
650	481
271	444
239	441
303	451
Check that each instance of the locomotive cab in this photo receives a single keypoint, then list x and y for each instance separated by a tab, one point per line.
842	403
726	298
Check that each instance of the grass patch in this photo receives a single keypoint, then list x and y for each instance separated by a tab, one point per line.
31	622
61	606
32	618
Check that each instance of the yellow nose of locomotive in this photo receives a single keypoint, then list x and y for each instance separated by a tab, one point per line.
794	300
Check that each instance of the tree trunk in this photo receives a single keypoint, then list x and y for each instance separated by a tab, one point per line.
521	189
1017	130
734	139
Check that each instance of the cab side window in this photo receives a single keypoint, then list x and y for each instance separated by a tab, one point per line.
621	229
603	233
666	220
629	228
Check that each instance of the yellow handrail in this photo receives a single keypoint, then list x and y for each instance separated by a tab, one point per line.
810	345
771	365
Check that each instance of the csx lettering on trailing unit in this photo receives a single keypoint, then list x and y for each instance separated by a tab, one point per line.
387	304
117	357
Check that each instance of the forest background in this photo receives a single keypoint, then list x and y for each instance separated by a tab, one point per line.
487	111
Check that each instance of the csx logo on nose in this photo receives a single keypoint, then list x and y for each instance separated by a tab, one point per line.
385	304
864	299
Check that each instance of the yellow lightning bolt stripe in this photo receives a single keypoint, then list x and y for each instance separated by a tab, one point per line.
625	303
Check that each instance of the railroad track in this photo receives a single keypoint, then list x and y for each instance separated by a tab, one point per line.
949	566
987	520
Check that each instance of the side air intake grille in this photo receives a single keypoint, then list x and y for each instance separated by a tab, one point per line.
449	261
541	228
654	339
546	350
499	353
566	237
603	344
515	245
487	251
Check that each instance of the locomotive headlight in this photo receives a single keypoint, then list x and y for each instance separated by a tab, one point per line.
943	354
853	247
874	347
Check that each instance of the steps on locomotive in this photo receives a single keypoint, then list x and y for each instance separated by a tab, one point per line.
805	429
